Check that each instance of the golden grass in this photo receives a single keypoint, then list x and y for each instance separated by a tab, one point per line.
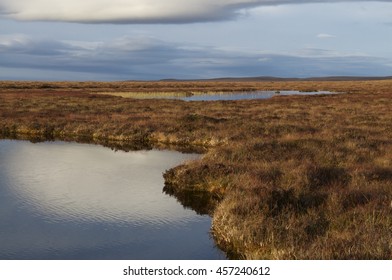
292	177
145	95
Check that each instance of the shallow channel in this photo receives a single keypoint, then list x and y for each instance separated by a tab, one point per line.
76	201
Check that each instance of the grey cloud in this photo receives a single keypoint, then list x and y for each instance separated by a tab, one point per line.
146	58
325	36
125	57
24	45
137	11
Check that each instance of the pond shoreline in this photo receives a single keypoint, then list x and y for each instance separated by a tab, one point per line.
202	201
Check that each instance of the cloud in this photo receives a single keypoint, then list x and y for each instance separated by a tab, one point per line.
21	44
146	58
137	11
325	36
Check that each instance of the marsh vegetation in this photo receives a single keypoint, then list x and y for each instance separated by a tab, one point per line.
291	177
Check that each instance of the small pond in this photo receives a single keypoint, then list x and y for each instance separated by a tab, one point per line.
247	95
75	201
219	96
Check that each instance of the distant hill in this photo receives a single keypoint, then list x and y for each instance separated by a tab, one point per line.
347	78
267	78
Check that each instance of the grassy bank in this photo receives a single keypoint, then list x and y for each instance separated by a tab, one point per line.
292	177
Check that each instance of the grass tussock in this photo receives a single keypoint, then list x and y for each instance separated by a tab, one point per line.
292	177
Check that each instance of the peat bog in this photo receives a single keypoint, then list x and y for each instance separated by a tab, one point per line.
291	177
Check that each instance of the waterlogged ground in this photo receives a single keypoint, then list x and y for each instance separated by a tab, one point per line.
74	201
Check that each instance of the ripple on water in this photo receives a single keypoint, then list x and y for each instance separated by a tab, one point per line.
68	200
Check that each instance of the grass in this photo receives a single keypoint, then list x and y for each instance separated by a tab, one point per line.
146	95
291	177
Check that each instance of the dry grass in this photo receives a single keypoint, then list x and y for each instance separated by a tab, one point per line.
146	95
292	177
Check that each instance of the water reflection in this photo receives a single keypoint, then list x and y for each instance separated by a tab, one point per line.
241	95
247	95
201	202
76	201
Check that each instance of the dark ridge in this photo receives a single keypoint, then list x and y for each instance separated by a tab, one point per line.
269	78
348	78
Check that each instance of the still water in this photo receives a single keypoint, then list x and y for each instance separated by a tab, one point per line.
247	95
75	201
224	96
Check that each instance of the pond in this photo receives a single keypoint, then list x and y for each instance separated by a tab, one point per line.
76	201
247	95
219	96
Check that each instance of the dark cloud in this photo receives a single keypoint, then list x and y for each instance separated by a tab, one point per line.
146	58
23	45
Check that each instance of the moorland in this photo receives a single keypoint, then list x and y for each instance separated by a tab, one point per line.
291	177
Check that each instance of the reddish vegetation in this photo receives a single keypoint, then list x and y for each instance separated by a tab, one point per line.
292	177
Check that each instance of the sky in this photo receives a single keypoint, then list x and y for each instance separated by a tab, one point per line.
193	39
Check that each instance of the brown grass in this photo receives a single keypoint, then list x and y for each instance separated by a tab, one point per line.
292	177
